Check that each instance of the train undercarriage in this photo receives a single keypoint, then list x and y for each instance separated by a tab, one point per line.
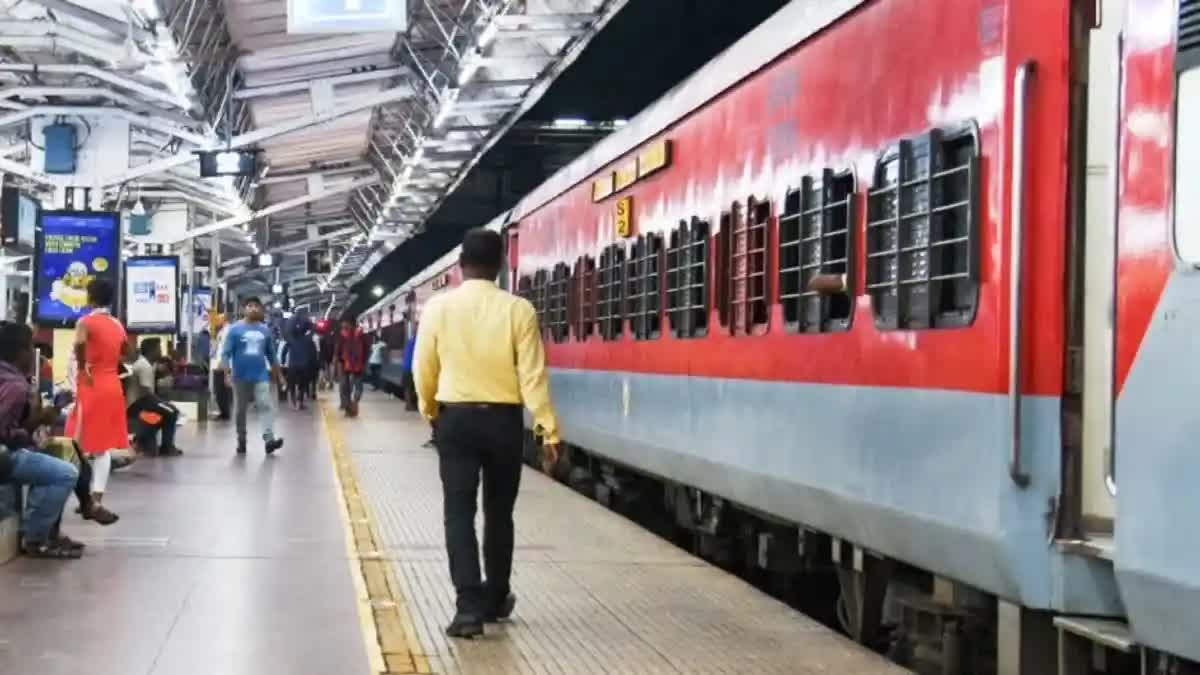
930	624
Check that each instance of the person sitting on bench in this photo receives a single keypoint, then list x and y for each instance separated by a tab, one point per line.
49	479
150	413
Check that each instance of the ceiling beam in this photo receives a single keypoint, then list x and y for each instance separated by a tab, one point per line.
249	138
306	85
276	208
104	21
160	95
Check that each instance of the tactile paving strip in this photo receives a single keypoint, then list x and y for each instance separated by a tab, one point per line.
596	593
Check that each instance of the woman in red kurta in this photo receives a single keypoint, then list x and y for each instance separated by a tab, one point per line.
97	421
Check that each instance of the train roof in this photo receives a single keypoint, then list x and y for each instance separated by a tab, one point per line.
437	267
791	25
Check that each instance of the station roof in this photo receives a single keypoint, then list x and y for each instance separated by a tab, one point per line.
385	146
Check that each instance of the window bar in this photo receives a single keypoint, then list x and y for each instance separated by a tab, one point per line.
903	171
933	139
698	278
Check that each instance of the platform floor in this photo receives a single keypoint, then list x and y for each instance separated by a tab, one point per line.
596	593
219	565
328	560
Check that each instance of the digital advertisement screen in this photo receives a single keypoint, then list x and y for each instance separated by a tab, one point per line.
202	299
18	219
152	294
73	248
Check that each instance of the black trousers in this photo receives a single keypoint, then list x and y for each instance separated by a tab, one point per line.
168	412
410	391
223	394
83	491
475	442
299	382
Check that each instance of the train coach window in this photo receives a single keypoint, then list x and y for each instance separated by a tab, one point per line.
744	244
525	288
644	287
557	297
922	233
610	293
583	297
540	288
1187	164
816	236
687	279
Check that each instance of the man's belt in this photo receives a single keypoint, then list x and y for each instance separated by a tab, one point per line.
479	405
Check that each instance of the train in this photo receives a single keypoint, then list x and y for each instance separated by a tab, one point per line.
986	431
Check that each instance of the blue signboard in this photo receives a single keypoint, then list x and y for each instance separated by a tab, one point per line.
73	248
347	16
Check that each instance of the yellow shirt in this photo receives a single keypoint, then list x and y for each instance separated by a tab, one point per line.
479	344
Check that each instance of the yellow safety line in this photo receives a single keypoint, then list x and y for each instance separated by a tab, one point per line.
392	644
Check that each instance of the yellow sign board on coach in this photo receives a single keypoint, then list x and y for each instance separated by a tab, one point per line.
625	217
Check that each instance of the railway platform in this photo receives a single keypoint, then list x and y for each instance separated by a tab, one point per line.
329	559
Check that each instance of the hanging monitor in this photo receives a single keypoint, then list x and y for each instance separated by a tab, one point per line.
152	294
73	248
347	16
218	163
318	261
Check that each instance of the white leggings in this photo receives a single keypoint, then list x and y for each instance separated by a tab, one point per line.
101	467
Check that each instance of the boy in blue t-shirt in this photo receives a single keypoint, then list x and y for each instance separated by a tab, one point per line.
250	352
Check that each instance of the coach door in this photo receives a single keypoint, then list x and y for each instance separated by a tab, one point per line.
508	278
1089	401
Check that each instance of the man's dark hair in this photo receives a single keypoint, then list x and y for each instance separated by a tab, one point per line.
482	253
100	293
15	339
252	300
150	346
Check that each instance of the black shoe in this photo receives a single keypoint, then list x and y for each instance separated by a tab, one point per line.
501	611
170	452
273	445
465	626
241	447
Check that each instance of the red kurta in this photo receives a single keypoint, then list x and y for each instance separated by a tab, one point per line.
97	421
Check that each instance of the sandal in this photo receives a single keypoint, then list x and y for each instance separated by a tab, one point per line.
50	550
64	540
101	515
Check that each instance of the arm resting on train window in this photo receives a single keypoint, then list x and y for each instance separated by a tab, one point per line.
531	373
828	284
426	367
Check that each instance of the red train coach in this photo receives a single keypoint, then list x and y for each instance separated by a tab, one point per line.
943	430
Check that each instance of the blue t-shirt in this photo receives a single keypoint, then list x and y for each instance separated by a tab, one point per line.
410	349
250	350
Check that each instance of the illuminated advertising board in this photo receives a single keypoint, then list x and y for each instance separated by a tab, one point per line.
152	294
73	248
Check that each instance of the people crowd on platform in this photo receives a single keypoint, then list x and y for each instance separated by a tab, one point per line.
114	403
473	365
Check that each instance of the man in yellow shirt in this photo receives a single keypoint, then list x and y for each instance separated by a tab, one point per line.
479	361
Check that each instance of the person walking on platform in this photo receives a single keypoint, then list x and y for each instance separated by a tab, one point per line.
220	383
406	367
250	353
301	354
350	359
479	360
375	362
97	421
